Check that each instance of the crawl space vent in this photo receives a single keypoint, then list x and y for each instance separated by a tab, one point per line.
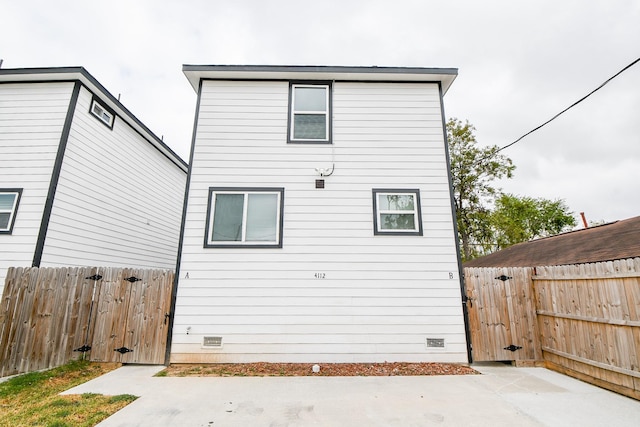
435	342
213	342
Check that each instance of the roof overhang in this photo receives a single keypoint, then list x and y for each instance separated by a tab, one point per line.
195	73
60	74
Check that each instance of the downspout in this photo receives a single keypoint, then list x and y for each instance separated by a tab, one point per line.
463	292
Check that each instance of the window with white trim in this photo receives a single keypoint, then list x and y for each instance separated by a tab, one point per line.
240	217
103	114
310	113
397	212
9	200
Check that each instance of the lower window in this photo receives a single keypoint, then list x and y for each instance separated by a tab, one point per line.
9	199
241	217
397	212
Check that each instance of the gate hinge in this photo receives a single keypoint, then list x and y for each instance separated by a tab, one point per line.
466	299
132	279
83	349
94	277
123	350
512	348
504	278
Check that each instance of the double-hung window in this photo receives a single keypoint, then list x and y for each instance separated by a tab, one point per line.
240	217
397	212
9	200
310	113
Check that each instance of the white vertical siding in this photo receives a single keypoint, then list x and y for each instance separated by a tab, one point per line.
118	200
31	121
381	296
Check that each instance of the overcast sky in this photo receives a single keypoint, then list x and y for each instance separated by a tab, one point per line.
519	62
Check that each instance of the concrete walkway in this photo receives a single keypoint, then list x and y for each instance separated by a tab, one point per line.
502	396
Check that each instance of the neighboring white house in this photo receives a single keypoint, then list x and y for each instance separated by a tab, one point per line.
318	222
82	181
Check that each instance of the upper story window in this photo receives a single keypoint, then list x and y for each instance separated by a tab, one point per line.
310	113
103	114
397	212
238	217
9	200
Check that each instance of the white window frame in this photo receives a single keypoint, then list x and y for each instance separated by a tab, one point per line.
377	212
17	192
243	243
105	115
294	112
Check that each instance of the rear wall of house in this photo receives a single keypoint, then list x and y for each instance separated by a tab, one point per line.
334	292
32	117
118	201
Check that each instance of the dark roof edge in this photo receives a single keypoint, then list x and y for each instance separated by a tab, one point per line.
595	243
594	261
444	76
89	79
579	230
321	69
43	70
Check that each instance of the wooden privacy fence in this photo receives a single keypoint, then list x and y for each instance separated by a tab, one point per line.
502	314
582	320
52	315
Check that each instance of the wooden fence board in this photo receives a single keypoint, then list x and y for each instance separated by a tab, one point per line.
146	322
586	319
502	314
110	318
47	314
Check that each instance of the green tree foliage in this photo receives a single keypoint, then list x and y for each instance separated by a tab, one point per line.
514	219
473	170
519	219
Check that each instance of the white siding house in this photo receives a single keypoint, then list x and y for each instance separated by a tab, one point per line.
318	223
82	181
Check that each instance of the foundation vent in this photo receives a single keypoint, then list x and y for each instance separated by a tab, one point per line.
435	342
212	342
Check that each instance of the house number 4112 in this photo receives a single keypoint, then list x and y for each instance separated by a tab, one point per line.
319	275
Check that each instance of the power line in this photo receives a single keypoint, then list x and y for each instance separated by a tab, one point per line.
566	109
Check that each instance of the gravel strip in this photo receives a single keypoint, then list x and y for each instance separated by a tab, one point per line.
323	369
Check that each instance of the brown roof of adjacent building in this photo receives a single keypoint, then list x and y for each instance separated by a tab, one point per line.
607	242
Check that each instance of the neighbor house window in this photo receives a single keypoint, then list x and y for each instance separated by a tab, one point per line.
9	200
244	217
397	212
103	114
310	113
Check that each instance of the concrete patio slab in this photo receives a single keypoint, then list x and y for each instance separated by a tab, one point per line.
502	396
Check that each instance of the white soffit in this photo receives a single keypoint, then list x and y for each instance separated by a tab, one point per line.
195	73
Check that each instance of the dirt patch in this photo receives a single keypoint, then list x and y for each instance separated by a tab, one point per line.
307	369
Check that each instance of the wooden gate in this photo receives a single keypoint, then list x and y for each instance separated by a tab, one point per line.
502	314
131	318
52	315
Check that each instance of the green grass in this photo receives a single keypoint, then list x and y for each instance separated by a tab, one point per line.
33	399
